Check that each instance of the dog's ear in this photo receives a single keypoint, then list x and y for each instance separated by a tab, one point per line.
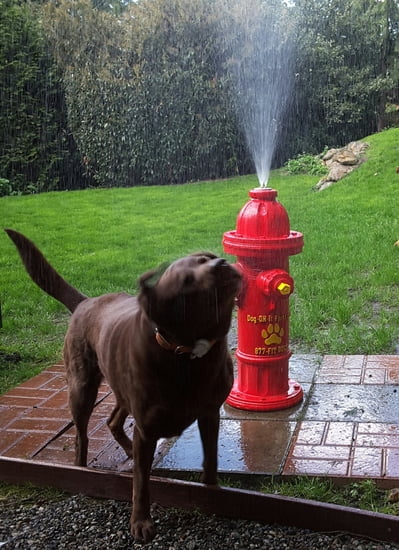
151	278
147	283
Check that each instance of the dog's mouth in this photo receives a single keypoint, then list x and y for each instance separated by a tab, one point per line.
226	274
187	318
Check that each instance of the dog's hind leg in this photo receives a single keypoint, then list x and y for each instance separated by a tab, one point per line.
84	378
209	432
82	398
115	423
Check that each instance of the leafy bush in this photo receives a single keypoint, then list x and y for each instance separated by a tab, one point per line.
11	188
37	152
306	164
147	103
5	187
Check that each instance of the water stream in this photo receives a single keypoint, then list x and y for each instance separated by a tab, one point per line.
261	69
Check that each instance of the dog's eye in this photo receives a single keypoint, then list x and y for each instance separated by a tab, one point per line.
202	259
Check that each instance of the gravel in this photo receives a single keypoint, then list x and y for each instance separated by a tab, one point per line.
82	523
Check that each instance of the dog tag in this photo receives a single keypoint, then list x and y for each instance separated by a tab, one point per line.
201	348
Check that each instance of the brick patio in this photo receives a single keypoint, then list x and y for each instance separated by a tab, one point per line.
347	426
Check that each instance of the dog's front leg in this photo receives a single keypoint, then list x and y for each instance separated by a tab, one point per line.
115	423
141	524
209	431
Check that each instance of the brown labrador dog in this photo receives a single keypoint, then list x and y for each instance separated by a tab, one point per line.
164	354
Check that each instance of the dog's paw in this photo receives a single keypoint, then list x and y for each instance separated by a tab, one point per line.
142	529
209	479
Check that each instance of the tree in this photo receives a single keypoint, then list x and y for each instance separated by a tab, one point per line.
343	70
389	58
34	144
141	92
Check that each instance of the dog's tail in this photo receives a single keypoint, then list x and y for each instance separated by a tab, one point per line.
43	274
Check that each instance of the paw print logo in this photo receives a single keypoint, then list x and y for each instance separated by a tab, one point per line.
273	334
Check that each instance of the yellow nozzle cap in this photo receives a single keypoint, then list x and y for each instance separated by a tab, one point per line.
284	288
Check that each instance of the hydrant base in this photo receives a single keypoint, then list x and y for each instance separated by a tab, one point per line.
245	401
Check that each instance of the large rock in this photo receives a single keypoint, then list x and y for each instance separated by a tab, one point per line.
338	171
346	158
341	162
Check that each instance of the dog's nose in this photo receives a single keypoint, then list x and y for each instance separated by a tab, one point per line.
217	262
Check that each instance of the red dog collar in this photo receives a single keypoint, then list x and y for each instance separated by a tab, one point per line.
200	349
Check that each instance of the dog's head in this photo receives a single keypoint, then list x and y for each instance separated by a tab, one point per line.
192	298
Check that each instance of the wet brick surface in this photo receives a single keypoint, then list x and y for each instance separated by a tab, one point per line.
347	425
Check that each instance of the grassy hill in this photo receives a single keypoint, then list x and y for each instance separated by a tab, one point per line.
347	277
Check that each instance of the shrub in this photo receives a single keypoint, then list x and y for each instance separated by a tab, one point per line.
37	152
5	187
306	164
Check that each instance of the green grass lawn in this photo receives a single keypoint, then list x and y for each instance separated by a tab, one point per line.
347	279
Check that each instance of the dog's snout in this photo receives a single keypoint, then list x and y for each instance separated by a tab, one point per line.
218	262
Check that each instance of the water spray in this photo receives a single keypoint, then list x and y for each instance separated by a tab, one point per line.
260	41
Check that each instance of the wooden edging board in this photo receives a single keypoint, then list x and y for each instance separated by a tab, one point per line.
225	502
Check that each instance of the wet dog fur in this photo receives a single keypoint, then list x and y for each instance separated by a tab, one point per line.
164	354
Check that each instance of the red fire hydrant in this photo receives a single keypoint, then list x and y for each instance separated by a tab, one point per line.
263	243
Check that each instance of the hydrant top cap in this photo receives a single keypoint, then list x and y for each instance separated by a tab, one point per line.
263	217
263	227
263	193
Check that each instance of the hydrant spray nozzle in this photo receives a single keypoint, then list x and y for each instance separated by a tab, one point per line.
275	282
